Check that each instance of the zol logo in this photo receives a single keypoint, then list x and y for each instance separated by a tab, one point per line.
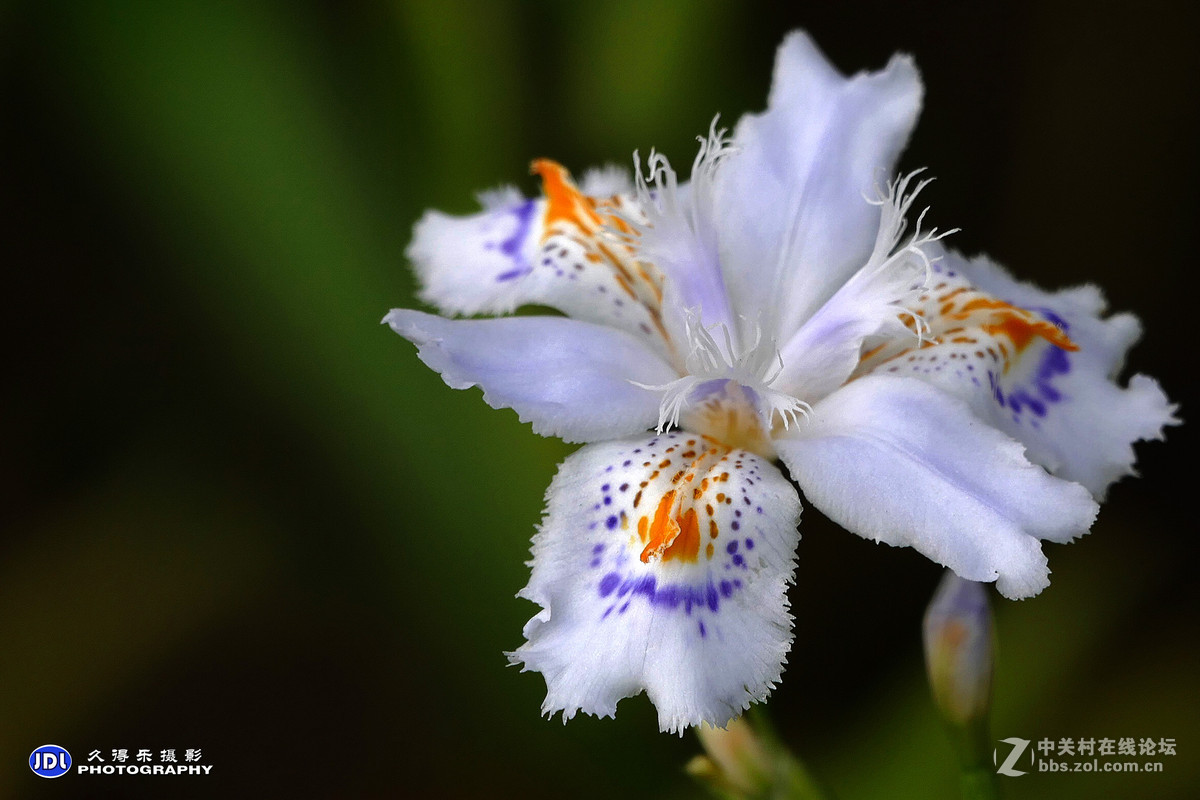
1018	749
50	761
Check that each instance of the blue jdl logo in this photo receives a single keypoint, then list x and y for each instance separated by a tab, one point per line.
50	761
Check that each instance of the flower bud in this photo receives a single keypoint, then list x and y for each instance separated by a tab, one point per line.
959	651
738	763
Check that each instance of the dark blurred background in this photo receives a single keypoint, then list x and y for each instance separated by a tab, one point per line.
239	515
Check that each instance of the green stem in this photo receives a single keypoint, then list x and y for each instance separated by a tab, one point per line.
979	783
973	747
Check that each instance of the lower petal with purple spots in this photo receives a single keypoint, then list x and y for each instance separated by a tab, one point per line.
645	585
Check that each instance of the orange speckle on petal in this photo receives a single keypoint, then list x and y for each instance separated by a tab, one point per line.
873	351
1021	331
979	304
662	529
687	542
563	201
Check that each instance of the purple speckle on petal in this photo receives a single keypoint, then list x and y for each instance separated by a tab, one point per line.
611	522
511	246
608	583
670	596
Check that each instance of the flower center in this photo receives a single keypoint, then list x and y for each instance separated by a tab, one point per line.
729	414
726	393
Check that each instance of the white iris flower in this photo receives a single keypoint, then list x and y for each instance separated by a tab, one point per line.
777	307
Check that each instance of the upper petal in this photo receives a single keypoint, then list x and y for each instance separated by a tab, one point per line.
796	221
898	461
825	351
679	234
571	379
662	564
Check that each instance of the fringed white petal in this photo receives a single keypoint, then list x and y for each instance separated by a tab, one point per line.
555	251
1041	366
571	379
662	565
896	460
476	264
1091	419
607	181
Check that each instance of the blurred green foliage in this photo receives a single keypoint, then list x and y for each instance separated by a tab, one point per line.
241	516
